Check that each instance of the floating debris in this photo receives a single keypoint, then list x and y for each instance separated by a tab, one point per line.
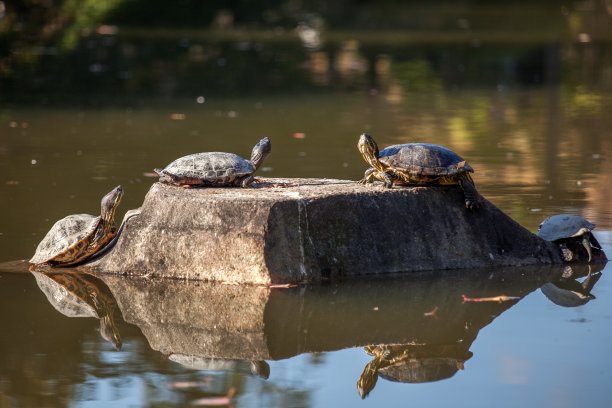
177	116
150	174
432	313
215	401
189	384
284	185
279	285
12	182
500	298
299	135
200	99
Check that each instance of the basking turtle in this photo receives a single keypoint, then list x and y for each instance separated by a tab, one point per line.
418	164
76	237
567	231
80	295
215	168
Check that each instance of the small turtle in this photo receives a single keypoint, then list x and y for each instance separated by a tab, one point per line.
76	237
568	230
418	164
215	168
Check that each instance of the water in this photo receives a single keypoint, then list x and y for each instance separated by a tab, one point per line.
529	112
527	352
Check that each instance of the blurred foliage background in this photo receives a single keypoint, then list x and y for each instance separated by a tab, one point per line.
120	51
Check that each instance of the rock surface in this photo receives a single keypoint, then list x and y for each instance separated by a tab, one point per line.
291	230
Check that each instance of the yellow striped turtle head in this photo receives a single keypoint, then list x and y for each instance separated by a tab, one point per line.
110	202
369	150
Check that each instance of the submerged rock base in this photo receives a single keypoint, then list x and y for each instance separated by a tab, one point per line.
292	230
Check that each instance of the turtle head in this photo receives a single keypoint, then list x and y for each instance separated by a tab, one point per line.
260	152
110	202
109	331
369	150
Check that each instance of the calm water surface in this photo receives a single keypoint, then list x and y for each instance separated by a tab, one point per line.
536	151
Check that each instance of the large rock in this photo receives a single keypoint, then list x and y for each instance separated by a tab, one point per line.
291	230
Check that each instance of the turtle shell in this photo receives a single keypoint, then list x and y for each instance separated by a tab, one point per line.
64	234
563	226
212	167
424	158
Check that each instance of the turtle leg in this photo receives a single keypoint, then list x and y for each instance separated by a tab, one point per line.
245	181
368	176
587	245
469	192
385	177
594	242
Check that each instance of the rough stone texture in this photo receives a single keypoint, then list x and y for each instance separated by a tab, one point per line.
290	230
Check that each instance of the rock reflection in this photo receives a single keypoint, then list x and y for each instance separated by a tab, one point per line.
259	368
79	295
215	327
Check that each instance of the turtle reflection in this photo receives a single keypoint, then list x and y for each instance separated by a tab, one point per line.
412	363
79	295
568	291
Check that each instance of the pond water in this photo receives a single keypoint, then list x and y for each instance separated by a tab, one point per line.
180	342
529	110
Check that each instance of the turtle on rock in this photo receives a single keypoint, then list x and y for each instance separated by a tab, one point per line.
417	164
569	232
215	169
75	238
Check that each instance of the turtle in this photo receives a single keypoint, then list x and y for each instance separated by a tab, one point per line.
417	164
215	169
81	295
567	231
75	238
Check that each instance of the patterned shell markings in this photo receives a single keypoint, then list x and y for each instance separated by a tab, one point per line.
64	234
423	158
211	166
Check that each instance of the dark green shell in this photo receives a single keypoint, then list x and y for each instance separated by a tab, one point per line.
424	159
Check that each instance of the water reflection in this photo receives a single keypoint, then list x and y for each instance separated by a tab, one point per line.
568	291
412	363
415	328
80	295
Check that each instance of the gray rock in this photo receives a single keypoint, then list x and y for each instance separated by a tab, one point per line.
291	230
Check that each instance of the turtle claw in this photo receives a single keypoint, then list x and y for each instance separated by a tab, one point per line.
472	205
